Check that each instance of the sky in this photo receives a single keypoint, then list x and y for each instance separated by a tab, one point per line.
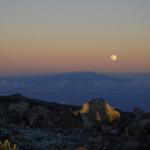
52	36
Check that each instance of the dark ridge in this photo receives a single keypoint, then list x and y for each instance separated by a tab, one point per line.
15	98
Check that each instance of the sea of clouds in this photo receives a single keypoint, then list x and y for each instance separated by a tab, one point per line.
124	91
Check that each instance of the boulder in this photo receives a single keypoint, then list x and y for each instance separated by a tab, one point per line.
7	146
98	110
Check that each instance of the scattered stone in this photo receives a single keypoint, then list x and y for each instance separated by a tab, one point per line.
81	148
57	127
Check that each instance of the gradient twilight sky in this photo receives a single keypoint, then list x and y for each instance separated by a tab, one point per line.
46	36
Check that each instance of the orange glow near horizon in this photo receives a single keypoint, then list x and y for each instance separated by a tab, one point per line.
49	37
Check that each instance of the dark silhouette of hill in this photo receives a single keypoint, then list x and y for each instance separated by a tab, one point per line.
15	98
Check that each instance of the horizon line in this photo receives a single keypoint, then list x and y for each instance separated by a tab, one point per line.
72	72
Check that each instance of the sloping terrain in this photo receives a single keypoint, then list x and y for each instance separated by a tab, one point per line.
37	125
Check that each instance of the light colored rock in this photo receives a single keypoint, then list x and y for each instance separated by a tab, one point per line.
112	114
7	146
85	108
76	113
98	110
81	148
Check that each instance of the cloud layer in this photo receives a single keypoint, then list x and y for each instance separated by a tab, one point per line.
122	90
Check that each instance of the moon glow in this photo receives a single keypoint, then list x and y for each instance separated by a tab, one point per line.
113	58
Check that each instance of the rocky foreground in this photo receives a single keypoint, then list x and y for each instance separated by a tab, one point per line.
37	125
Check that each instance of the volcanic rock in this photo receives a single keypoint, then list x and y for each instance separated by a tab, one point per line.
52	126
98	110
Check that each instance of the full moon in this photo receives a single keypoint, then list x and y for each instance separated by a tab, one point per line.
113	57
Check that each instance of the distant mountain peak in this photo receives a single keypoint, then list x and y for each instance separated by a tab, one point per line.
17	95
